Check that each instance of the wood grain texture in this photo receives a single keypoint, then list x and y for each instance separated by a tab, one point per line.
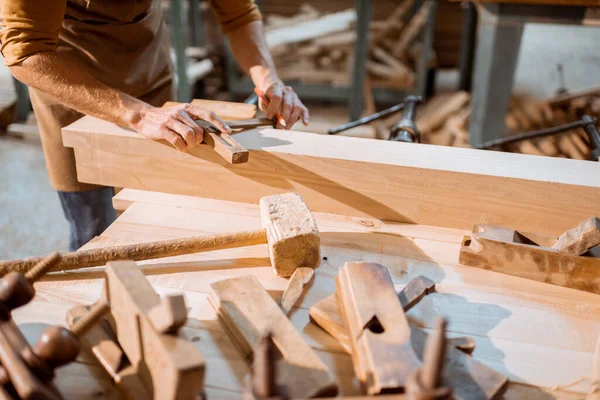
248	312
424	184
326	313
523	329
511	252
293	291
382	352
292	233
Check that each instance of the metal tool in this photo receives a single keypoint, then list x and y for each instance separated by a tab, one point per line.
586	122
363	121
406	129
238	124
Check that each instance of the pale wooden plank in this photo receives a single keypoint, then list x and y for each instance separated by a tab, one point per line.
400	182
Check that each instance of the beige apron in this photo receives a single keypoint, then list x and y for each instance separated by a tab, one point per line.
124	44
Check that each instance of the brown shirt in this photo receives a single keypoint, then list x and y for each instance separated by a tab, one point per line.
33	26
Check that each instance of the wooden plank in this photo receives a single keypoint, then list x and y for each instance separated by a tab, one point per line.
247	310
327	24
510	252
345	175
382	353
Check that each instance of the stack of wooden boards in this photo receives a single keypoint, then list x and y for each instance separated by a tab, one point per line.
312	47
444	120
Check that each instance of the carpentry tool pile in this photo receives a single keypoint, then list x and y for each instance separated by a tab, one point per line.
140	346
311	47
444	120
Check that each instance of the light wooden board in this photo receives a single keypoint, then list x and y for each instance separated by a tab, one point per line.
523	329
402	182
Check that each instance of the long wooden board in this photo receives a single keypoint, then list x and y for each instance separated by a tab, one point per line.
413	183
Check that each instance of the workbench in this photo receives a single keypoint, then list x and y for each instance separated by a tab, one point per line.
501	25
534	333
405	206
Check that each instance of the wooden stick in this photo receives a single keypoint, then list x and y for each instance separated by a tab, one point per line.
411	31
142	251
299	279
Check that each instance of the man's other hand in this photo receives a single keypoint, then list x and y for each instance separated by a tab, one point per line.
285	101
177	124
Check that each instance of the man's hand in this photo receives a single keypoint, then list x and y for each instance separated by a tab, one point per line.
285	101
177	124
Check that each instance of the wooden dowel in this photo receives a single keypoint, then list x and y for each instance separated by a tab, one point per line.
141	251
433	357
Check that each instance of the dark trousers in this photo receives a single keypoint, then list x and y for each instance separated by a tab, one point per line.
89	214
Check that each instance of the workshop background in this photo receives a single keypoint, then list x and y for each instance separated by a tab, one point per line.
423	47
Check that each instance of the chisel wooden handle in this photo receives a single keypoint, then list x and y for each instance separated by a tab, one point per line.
142	251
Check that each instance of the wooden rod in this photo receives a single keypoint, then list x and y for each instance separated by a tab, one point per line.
141	251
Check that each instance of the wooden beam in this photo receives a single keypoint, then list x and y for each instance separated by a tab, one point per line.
429	185
247	311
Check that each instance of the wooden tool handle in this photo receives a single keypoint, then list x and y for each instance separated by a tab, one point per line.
142	251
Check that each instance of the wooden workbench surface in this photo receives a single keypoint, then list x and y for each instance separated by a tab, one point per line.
537	334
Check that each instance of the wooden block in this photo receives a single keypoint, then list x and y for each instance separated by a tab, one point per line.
224	109
167	364
169	315
395	21
25	383
528	255
326	313
293	291
411	31
382	354
580	239
227	147
248	311
430	121
292	233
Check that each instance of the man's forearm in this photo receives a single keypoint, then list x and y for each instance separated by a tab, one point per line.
252	53
73	86
76	88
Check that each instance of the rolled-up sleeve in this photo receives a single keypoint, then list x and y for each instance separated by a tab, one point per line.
233	14
29	27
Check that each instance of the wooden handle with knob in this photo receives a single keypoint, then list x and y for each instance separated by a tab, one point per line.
141	251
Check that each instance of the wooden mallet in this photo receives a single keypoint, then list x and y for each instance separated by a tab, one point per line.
290	231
